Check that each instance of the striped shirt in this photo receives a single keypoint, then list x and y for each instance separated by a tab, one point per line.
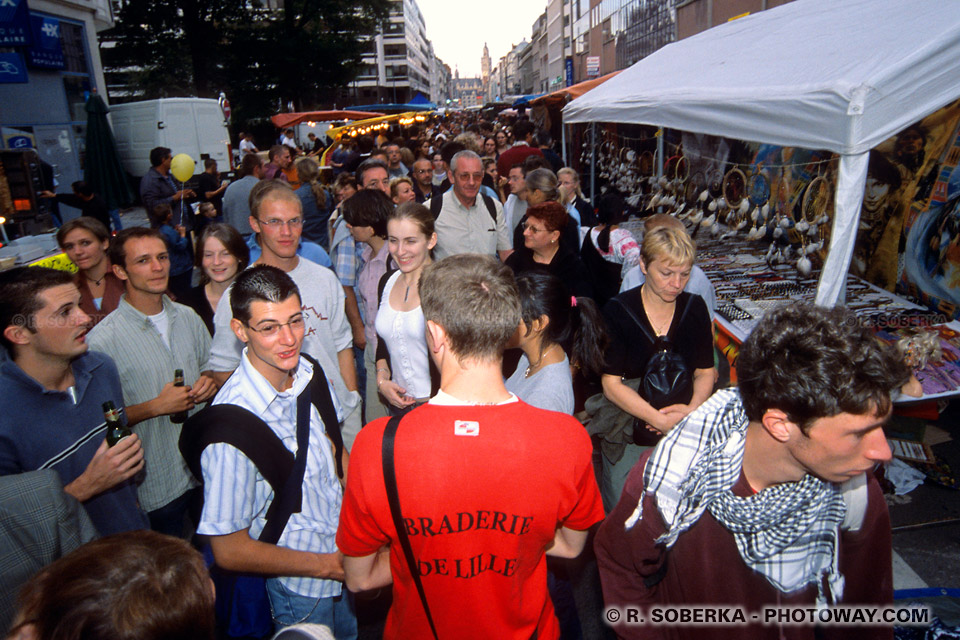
146	363
236	496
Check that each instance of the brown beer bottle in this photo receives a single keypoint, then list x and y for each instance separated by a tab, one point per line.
181	417
115	429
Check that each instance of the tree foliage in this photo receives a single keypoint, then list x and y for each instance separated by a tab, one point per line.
262	58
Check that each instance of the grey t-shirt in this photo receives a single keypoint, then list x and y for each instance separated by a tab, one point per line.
549	388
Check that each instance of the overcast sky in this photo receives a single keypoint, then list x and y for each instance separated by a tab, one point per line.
458	29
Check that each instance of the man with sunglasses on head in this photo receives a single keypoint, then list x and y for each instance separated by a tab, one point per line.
276	217
304	567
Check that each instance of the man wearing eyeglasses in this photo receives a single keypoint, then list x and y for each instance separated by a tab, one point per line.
304	567
277	219
423	185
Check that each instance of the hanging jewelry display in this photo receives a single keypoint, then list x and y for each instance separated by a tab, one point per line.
645	164
678	168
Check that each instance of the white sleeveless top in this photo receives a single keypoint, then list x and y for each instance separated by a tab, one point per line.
404	333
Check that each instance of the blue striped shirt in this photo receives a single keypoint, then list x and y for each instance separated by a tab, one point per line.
236	496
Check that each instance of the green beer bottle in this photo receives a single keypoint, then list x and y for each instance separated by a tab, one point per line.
181	417
115	429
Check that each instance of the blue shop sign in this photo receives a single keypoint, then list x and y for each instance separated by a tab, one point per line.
14	23
46	51
12	68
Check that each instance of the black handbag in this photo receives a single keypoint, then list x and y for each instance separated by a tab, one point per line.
667	379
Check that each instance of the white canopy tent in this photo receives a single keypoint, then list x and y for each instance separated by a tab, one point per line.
838	75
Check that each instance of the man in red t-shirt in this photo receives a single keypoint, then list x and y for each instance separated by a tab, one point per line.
487	484
524	132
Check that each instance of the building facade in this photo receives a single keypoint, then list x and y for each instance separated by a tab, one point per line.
694	16
49	65
614	34
468	92
399	61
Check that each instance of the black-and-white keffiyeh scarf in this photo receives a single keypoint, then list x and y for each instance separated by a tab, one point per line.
788	532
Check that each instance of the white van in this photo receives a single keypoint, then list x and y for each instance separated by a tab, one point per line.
194	126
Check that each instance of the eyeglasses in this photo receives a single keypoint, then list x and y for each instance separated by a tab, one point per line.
423	171
276	223
271	330
532	228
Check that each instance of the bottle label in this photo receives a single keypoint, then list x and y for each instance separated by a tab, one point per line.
112	415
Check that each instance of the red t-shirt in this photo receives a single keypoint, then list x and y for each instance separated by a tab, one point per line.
515	155
483	490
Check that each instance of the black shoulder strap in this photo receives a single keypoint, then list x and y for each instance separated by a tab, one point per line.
249	434
290	499
492	208
393	497
636	320
683	313
684	306
436	204
320	397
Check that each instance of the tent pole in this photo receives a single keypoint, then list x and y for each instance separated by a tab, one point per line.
563	144
593	162
660	153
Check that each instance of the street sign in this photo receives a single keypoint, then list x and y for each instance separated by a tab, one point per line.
593	66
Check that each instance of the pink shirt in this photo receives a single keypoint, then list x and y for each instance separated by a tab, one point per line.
367	280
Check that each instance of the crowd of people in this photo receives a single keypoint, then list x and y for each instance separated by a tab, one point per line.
334	407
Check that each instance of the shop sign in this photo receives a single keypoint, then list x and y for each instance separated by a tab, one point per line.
593	66
12	68
14	23
46	52
569	68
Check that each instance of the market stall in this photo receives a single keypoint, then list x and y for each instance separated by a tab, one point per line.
811	87
840	77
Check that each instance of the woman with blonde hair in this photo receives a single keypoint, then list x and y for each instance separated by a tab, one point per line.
401	190
641	323
316	202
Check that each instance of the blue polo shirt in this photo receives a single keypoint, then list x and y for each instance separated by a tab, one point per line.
45	429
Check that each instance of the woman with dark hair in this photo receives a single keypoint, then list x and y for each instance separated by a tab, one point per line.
557	330
609	251
365	215
85	241
423	149
543	250
403	363
316	202
221	254
502	138
490	147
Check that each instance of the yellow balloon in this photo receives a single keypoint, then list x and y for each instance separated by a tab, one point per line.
182	167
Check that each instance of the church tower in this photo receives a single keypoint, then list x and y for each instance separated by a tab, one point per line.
485	71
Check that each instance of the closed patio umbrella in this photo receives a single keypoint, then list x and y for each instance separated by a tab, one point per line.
102	169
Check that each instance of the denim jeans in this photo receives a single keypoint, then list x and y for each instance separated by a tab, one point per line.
289	608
